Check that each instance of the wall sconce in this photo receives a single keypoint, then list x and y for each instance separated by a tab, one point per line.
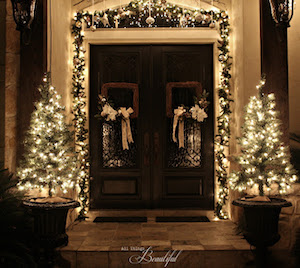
23	12
282	11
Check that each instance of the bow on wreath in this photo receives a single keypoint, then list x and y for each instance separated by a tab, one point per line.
196	112
178	116
126	129
110	114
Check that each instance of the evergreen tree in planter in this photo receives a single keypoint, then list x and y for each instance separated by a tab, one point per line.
49	164
264	163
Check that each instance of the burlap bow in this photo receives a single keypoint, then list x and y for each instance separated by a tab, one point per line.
109	112
126	129
178	116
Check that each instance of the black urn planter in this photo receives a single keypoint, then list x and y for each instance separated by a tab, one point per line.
49	226
261	218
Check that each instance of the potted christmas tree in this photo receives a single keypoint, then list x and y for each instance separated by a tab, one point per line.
264	165
49	164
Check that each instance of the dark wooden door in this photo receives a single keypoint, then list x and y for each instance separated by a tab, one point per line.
154	173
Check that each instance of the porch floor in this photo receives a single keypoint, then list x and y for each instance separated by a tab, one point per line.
204	244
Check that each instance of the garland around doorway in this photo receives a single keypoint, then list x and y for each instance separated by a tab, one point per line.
157	13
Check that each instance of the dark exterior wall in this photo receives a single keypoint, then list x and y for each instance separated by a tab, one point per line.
32	65
2	79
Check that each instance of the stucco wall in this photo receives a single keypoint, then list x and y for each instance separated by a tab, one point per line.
291	216
294	71
60	48
59	61
246	58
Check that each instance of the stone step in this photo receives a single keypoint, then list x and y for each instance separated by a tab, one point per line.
150	213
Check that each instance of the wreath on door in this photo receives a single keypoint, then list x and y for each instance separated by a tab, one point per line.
197	112
109	113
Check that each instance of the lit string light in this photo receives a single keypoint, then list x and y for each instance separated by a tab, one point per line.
165	15
49	161
264	160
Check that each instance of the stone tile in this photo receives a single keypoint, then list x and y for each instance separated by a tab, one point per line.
153	225
11	100
121	259
12	38
219	247
181	235
185	242
91	248
154	235
151	219
67	259
9	11
187	259
187	247
297	209
154	230
121	213
183	213
106	225
133	235
213	241
101	235
95	243
243	245
77	235
11	69
157	245
92	259
72	246
288	210
285	233
129	226
155	213
226	259
120	245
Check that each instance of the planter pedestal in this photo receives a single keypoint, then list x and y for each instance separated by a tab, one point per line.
262	220
261	228
49	227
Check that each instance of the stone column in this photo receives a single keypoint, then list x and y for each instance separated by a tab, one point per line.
12	76
2	78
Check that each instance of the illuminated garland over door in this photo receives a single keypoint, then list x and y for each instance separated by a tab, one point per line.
136	14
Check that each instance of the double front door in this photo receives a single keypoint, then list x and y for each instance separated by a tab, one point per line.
154	172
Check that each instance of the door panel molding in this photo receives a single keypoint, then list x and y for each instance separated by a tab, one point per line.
152	184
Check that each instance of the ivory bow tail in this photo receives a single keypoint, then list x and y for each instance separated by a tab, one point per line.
178	120
126	129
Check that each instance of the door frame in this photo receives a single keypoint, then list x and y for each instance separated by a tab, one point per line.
162	36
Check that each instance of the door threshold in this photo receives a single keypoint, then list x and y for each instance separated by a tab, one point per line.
150	213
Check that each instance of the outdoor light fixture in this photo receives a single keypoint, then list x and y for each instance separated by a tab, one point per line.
282	11
23	12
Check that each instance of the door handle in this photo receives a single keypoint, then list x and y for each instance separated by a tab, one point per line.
156	147
146	149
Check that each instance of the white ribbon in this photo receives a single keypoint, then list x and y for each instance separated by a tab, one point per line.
109	112
126	129
198	113
179	118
